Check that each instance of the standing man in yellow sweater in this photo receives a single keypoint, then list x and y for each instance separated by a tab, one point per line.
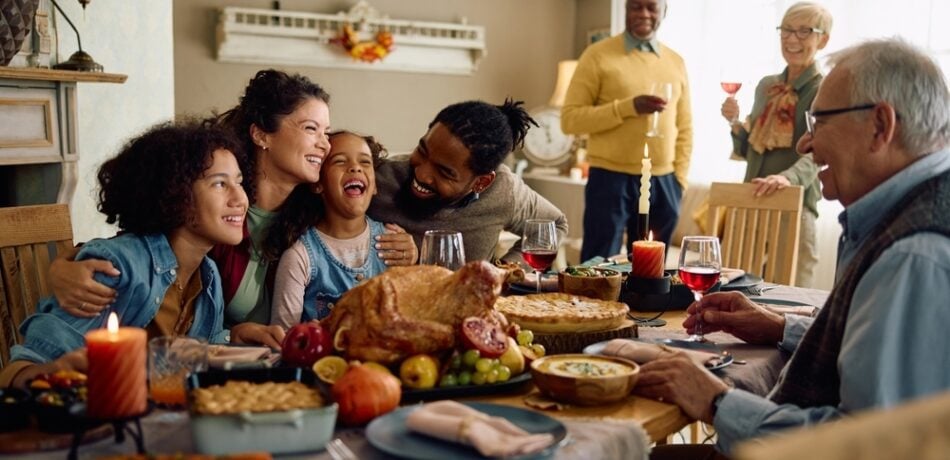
609	99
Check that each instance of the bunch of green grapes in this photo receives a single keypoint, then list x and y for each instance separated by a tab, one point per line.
470	368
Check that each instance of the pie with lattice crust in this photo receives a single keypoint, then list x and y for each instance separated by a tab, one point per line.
557	312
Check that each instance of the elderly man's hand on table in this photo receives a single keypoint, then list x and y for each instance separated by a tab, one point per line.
734	313
680	381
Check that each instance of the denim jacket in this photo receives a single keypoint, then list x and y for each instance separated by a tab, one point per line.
330	278
147	265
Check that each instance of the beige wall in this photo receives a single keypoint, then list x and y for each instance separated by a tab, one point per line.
525	40
591	15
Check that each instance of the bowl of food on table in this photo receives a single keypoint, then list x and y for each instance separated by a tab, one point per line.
596	283
585	380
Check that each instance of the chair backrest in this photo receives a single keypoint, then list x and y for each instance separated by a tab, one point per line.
760	234
30	237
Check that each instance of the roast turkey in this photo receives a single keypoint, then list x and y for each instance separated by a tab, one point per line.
411	310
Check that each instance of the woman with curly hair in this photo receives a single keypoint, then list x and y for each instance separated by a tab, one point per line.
282	121
174	192
334	251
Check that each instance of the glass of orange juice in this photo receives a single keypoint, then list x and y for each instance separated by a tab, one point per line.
170	360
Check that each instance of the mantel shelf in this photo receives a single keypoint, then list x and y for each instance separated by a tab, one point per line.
32	73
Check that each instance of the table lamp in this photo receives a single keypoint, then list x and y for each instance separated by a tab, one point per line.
80	60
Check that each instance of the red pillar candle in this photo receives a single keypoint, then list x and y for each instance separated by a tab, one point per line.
117	366
647	260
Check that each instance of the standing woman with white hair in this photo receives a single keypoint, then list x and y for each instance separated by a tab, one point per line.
766	141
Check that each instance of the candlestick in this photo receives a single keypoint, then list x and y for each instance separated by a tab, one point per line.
644	204
117	365
647	258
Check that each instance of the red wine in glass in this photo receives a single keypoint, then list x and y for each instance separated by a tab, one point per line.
731	88
699	278
539	260
539	246
699	267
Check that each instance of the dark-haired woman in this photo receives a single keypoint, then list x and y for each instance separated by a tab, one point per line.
174	192
455	180
283	121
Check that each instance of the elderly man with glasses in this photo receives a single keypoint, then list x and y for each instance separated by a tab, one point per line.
879	131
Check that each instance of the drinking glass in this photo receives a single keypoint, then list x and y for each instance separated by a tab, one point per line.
443	248
665	92
731	84
539	246
170	360
699	267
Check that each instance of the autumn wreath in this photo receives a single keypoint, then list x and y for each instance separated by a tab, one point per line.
367	51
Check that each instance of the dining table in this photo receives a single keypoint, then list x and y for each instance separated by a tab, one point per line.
622	429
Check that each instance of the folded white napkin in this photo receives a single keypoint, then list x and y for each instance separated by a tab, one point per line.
224	357
548	282
491	436
804	310
728	275
642	352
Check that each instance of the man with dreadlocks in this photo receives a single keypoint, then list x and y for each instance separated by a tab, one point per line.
454	180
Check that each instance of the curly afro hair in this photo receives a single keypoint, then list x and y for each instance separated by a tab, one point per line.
268	98
489	131
303	209
147	187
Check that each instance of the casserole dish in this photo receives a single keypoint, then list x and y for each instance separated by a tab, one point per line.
277	432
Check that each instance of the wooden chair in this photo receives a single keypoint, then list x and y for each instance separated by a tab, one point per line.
30	237
759	234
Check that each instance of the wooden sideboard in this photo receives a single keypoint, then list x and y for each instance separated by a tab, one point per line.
39	136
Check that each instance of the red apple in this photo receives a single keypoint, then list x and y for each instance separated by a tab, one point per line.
304	344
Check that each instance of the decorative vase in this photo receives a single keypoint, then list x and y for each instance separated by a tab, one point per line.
16	20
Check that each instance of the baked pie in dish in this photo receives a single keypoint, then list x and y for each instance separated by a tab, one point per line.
558	312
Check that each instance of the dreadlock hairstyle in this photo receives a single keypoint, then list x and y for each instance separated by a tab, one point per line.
490	132
303	208
147	187
268	98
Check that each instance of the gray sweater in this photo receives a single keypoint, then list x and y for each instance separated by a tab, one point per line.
504	205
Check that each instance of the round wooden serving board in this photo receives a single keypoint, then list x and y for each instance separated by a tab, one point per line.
574	342
33	440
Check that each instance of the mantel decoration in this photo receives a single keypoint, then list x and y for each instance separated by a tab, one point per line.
80	60
367	51
348	39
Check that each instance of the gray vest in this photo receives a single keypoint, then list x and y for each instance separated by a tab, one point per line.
811	377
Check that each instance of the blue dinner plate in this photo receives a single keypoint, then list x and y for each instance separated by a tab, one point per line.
742	282
389	434
727	359
410	395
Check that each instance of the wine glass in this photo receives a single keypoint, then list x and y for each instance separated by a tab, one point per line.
699	267
731	84
539	246
443	248
665	92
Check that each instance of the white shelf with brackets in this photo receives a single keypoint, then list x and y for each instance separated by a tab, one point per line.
277	37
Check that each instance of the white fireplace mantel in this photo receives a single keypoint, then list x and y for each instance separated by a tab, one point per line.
261	36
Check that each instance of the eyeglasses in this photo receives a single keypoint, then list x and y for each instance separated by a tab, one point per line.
802	33
811	117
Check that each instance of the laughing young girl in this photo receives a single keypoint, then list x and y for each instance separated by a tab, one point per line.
335	251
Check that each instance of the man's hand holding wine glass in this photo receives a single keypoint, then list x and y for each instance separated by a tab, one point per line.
734	313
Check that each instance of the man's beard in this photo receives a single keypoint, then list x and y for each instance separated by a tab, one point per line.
415	207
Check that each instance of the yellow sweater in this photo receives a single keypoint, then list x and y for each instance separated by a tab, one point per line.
599	102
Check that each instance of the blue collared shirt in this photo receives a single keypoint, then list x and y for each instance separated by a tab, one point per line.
148	268
631	43
894	346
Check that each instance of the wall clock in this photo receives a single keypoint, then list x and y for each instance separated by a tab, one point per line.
546	144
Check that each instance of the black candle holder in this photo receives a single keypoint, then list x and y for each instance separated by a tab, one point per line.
120	426
636	289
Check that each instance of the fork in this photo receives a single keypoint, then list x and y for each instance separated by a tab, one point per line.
339	451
